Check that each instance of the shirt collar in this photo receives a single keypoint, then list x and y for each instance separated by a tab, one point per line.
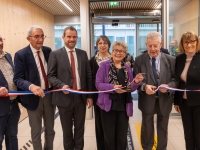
68	50
3	54
157	58
34	50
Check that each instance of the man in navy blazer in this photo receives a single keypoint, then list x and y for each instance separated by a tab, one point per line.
30	74
9	109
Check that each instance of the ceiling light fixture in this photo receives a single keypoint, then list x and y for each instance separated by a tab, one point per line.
65	5
159	5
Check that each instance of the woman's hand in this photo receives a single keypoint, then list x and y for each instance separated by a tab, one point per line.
138	78
119	90
177	108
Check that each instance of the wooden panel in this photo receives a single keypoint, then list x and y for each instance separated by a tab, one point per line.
15	18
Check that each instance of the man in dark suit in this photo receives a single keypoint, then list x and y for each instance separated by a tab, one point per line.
30	74
9	109
68	67
159	69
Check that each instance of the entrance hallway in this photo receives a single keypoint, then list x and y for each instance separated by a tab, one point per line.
175	140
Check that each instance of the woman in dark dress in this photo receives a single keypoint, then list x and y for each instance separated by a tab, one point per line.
103	45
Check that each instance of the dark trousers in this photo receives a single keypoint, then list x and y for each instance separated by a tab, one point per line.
98	128
191	125
9	127
45	111
73	114
147	130
115	127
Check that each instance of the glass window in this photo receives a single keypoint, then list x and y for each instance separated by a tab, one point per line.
58	29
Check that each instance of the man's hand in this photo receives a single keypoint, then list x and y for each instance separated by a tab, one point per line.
120	90
150	89
177	108
163	90
37	90
3	91
65	87
89	102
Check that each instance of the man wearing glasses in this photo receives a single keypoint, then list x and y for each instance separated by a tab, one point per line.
9	109
30	74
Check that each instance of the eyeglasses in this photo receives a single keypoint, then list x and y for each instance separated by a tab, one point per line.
185	43
37	37
104	43
118	51
1	40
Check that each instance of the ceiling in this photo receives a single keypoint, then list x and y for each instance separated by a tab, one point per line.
55	7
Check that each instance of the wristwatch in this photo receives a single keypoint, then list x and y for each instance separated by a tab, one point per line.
143	87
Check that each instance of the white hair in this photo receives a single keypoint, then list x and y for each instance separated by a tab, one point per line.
153	35
33	27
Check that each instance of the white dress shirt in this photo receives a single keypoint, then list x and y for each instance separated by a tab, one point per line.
76	65
35	55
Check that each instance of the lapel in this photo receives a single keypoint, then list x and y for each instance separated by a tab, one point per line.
9	59
79	61
64	53
148	66
32	60
181	62
163	63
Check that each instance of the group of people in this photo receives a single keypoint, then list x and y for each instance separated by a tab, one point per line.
38	69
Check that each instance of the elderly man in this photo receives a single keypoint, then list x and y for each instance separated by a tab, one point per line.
174	48
9	109
159	69
30	74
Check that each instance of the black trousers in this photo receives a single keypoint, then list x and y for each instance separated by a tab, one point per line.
115	127
191	125
74	114
98	127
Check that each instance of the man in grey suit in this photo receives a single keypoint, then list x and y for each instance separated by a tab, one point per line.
159	69
68	67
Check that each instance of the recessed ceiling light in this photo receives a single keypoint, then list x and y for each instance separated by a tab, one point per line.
65	5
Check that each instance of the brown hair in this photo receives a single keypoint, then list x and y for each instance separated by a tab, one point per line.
187	36
69	28
105	39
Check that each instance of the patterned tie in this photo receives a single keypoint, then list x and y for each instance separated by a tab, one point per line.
154	70
43	71
73	70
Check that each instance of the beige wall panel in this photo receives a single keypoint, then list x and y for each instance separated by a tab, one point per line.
15	18
186	19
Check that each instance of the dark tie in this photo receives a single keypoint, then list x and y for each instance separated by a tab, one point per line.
43	71
73	70
154	70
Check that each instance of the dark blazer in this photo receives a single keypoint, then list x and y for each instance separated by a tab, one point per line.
164	50
94	68
60	74
26	73
5	101
193	80
146	103
129	58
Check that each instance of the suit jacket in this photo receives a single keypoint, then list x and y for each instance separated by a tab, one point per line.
60	74
5	101
146	103
193	80
102	83
26	73
164	50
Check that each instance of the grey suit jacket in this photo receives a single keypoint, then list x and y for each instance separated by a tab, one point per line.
146	103
60	74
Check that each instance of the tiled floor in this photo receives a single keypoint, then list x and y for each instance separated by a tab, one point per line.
175	140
